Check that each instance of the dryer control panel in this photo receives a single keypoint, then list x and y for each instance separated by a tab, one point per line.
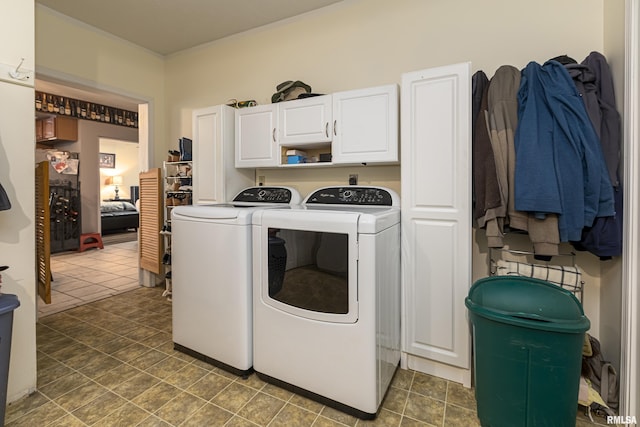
264	195
352	195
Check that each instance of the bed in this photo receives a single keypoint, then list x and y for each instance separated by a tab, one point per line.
116	216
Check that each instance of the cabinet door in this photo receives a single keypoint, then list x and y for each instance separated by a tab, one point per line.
39	126
49	128
366	125
436	212
305	122
256	137
208	171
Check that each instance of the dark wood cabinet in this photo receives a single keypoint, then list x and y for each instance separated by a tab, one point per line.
56	128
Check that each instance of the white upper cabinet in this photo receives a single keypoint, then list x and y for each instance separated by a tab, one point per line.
305	122
257	137
365	127
354	127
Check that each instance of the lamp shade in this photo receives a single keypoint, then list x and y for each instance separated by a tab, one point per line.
113	180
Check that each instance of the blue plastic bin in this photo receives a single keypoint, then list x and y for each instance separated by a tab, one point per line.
8	303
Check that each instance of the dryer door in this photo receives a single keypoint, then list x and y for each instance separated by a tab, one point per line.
309	264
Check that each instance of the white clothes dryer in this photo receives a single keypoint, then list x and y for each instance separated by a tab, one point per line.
327	296
211	273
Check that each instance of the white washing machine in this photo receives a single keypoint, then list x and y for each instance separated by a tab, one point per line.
327	296
211	274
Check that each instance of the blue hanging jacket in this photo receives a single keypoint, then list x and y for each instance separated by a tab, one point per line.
559	163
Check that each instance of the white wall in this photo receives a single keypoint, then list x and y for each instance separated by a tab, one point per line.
126	166
17	232
70	50
611	273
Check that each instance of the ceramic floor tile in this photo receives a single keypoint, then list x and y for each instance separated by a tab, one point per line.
234	397
127	415
80	396
116	376
338	416
209	386
461	396
261	409
99	408
186	376
425	409
40	416
180	408
460	417
64	385
136	385
209	415
157	396
429	385
153	421
384	419
395	400
291	415
23	406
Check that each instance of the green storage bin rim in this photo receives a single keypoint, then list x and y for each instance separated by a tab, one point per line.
527	302
8	302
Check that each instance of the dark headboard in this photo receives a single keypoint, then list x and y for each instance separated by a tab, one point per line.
134	191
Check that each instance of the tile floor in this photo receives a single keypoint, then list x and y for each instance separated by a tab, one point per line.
82	277
111	362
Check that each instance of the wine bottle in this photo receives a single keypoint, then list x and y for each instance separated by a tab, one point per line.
107	115
83	110
61	105
67	107
38	101
93	112
49	103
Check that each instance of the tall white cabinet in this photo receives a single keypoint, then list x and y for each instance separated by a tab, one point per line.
436	220
215	178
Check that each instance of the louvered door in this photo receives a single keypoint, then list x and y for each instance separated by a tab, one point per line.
43	232
151	205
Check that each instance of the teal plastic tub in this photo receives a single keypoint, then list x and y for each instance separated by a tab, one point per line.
527	336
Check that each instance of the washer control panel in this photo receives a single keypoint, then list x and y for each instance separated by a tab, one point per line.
352	195
264	195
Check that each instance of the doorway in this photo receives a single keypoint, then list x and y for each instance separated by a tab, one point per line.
81	277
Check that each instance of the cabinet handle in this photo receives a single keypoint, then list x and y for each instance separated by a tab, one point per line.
335	132
326	129
273	134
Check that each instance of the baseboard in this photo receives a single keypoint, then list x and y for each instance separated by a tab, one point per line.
437	369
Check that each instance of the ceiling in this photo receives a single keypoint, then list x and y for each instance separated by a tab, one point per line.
168	26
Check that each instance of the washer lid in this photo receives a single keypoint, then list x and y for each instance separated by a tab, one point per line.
222	211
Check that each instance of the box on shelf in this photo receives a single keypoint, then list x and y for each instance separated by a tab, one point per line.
292	160
325	157
296	153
